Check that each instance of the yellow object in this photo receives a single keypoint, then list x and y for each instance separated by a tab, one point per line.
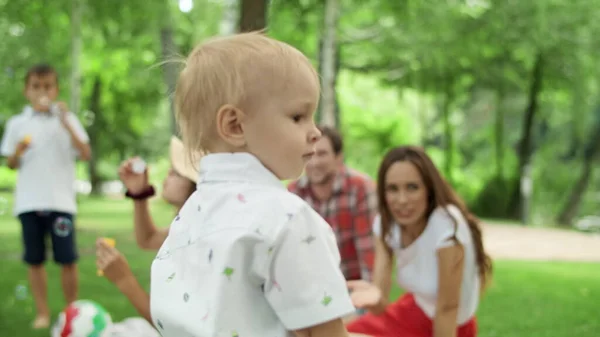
27	139
111	242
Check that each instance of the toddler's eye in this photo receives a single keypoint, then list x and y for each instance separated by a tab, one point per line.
297	118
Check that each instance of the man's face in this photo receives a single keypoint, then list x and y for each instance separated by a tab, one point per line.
323	166
41	90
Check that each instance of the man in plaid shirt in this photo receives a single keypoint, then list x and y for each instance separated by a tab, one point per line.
346	199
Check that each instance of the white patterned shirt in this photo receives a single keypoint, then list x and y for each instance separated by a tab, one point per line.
245	258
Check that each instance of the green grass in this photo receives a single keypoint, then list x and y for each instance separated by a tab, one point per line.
526	298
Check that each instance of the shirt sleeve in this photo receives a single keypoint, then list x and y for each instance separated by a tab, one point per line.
79	132
365	212
9	139
304	283
78	128
446	221
377	226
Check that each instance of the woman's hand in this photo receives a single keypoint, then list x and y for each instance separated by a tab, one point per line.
112	263
364	295
134	182
116	269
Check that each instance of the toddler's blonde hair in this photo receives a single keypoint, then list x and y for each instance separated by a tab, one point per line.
240	70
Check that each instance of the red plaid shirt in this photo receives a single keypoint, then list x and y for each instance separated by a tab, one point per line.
350	211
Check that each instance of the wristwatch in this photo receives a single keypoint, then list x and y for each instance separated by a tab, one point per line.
145	194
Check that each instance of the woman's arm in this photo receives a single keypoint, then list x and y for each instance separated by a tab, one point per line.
139	298
116	269
147	235
333	328
450	273
374	296
382	274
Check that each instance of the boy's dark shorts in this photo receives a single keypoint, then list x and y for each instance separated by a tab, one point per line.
61	229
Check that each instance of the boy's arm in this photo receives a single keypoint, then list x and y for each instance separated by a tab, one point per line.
79	137
81	145
14	160
10	147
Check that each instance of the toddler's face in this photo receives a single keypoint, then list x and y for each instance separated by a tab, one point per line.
281	131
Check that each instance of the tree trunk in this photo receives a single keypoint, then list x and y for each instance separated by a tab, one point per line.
229	20
499	134
94	131
169	68
448	132
76	44
319	113
592	149
524	147
338	65
569	210
328	67
253	15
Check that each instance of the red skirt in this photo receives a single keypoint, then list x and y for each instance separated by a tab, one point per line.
403	318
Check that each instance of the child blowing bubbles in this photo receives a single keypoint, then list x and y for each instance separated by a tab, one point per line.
43	143
244	257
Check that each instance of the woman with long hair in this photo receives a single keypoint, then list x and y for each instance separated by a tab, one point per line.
438	250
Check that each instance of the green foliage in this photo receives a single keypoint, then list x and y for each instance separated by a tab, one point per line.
450	76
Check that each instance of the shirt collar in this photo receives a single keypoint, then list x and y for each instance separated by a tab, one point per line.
235	167
28	111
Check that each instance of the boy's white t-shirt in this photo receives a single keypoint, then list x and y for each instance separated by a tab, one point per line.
46	176
417	264
245	257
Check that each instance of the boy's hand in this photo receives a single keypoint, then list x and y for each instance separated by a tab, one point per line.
112	263
22	146
42	104
63	110
134	182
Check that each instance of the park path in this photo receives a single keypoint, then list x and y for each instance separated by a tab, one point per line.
541	244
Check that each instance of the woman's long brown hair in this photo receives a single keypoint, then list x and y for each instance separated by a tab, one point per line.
440	194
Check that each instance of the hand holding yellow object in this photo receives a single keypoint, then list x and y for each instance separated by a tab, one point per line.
110	242
27	139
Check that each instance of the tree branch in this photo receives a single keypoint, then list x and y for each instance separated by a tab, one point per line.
360	35
373	68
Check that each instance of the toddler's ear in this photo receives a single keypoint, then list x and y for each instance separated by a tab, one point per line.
229	125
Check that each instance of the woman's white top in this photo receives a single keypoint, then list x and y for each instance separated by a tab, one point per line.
417	264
